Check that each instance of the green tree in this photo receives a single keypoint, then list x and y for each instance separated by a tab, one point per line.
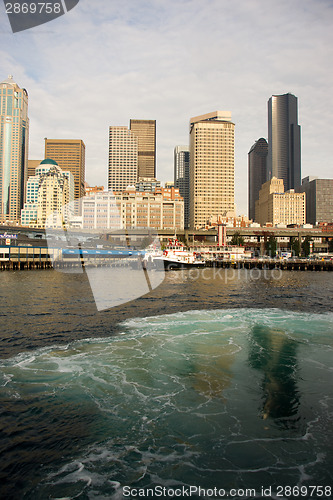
306	246
181	237
237	239
295	247
271	246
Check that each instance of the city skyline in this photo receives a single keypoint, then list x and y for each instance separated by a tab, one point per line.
259	53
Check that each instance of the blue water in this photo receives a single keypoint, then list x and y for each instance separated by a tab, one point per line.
227	398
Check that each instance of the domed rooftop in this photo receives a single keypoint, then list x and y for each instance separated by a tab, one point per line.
48	161
9	80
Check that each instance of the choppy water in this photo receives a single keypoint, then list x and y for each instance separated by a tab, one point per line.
224	383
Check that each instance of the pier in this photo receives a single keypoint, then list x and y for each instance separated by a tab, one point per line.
284	265
23	258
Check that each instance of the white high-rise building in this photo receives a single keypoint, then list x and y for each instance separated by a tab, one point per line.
14	131
212	168
123	159
50	190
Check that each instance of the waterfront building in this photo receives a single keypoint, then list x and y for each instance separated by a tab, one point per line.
319	199
50	190
14	132
69	154
275	206
257	172
163	209
145	132
212	167
123	158
147	185
284	140
182	177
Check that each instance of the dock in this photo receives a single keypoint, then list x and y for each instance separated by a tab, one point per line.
23	258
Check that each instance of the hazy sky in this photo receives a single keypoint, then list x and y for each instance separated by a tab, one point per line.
106	62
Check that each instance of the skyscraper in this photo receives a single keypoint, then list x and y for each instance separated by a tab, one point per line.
54	197
14	131
145	131
257	164
182	177
69	154
319	199
212	168
49	190
32	165
123	159
284	140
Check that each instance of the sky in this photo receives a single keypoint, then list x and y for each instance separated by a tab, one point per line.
105	62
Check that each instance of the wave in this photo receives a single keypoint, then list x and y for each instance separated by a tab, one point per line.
199	397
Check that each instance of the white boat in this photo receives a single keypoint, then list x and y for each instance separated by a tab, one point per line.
178	257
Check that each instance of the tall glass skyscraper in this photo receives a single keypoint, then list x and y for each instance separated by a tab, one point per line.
14	128
257	160
284	140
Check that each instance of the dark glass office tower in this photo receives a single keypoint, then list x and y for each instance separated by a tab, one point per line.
257	161
284	140
182	177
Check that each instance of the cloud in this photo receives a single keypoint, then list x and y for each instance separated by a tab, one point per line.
106	62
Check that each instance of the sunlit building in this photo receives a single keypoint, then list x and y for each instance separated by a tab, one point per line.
275	206
146	184
212	167
69	154
163	209
51	190
32	165
14	131
145	132
123	158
